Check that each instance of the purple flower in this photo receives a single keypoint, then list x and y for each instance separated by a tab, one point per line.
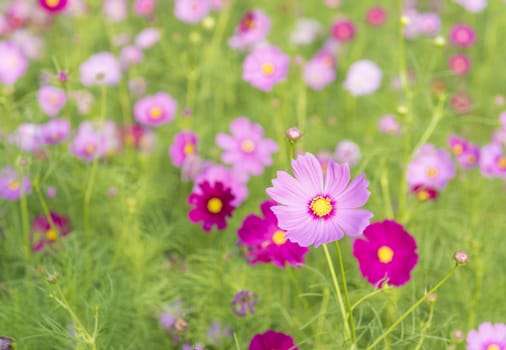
363	78
212	205
51	99
218	173
115	10
347	152
88	143
13	64
316	208
320	71
6	343
55	131
388	125
130	55
27	137
429	23
155	110
251	30
171	313
217	333
191	11
100	69
267	242
12	187
45	232
474	6
272	340
246	148
184	145
488	336
265	67
244	302
430	167
492	161
387	254
147	38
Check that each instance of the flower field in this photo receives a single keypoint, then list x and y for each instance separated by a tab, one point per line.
255	175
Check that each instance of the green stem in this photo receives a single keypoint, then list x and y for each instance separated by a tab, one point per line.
346	294
25	224
338	293
426	326
367	296
413	307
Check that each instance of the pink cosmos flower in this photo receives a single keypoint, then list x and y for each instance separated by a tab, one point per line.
129	56
459	64
46	232
474	6
27	137
457	144
212	205
388	125
13	64
265	67
100	69
320	71
246	149
363	78
387	254
12	187
184	145
462	102
88	142
492	161
376	16
115	10
272	340
155	110
430	167
429	23
306	31
213	173
462	35
191	11
347	152
53	6
55	131
144	7
137	136
51	99
148	38
266	242
251	30
488	336
32	46
468	155
317	209
343	30
424	193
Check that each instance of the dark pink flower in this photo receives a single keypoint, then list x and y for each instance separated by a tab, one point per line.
47	231
387	254
272	340
251	30
211	206
343	30
376	16
267	242
53	6
424	193
459	64
184	145
462	35
462	102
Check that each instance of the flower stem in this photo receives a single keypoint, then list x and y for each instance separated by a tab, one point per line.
426	326
338	293
346	294
413	307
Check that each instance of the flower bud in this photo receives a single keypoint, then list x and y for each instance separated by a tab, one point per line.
460	257
293	134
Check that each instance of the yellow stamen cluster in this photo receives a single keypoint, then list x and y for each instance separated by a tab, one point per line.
279	237
155	112
247	146
268	68
320	206
385	254
214	205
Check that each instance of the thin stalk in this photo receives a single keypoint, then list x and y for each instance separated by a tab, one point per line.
367	296
346	294
413	308
426	326
347	332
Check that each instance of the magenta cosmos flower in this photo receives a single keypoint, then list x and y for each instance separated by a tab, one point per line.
246	148
376	16
388	254
53	6
265	67
266	242
13	64
462	35
155	110
46	232
251	30
214	173
191	11
468	154
100	69
12	187
488	336
184	145
430	167
363	78
51	99
317	209
343	30
272	340
211	206
55	131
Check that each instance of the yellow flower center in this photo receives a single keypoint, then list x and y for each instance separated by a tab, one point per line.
247	146
457	149
493	347
320	206
422	195
52	3
214	205
90	149
385	254
502	163
432	172
155	112
268	68
188	149
471	159
14	185
12	62
52	235
279	237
